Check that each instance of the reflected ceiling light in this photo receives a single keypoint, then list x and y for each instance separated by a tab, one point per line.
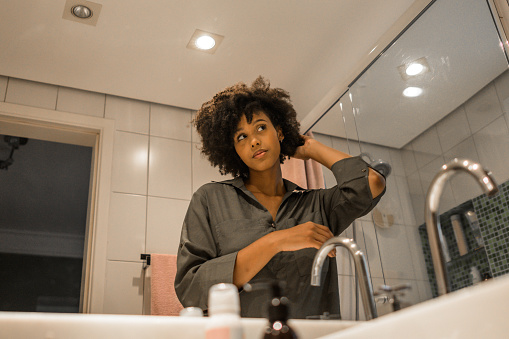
205	41
412	92
81	11
413	68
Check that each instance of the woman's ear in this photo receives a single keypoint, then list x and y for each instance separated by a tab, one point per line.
280	135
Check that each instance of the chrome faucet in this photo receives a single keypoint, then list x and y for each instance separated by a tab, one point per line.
436	238
361	267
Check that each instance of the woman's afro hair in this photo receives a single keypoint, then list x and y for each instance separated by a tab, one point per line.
217	121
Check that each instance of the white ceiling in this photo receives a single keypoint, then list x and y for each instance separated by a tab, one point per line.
138	48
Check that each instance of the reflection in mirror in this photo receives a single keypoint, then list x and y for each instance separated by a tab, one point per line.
460	111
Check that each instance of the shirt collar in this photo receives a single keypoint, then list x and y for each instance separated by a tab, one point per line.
239	183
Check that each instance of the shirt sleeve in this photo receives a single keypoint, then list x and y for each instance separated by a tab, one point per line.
198	264
351	198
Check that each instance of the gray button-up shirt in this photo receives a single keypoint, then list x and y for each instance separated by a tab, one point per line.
225	217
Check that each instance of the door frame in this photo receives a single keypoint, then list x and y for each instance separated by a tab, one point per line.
83	130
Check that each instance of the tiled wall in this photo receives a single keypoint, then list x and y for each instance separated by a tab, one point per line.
393	248
477	130
156	168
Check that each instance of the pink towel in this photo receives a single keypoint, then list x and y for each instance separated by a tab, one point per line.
305	173
163	299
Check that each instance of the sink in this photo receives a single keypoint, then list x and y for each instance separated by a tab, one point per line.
476	312
86	326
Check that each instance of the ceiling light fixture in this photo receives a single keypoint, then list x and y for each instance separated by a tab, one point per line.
82	12
413	68
205	41
412	92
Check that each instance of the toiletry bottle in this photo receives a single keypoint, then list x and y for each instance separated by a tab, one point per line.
278	316
224	313
475	275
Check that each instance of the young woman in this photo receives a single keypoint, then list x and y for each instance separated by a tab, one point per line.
259	226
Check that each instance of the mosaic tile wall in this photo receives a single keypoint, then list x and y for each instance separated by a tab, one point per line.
492	258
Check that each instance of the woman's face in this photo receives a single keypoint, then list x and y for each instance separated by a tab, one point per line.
257	143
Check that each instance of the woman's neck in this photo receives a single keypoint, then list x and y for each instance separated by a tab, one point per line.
269	183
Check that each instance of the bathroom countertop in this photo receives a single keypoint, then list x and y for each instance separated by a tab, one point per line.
86	326
476	312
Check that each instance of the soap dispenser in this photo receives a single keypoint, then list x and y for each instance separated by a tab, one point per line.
277	311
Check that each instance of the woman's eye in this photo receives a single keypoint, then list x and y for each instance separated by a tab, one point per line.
241	137
261	127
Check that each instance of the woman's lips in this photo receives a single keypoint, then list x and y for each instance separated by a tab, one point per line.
259	153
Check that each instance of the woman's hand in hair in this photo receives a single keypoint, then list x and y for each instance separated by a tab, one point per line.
304	152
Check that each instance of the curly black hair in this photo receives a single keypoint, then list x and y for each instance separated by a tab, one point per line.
217	121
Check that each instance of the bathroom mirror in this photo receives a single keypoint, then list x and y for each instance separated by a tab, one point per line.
452	102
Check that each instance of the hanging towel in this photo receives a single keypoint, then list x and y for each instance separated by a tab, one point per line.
305	173
163	300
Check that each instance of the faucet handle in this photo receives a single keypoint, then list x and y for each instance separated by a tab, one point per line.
401	287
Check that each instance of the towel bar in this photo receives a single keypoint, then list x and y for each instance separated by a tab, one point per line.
145	257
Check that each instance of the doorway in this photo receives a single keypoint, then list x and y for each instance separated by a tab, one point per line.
82	252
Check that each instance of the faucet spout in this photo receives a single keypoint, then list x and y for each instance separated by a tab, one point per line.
436	239
361	267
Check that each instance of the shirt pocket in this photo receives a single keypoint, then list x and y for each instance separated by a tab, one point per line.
236	234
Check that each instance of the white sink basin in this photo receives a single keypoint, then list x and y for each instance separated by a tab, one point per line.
475	312
87	326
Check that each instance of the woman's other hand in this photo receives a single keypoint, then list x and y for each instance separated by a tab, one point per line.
307	235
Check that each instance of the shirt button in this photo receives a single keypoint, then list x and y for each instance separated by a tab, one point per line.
273	224
364	170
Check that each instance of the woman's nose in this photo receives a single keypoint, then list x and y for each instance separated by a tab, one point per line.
255	142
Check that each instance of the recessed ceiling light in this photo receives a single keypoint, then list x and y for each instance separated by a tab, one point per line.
413	68
205	41
82	12
412	92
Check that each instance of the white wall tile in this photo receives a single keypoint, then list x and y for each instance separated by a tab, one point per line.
396	161
424	290
203	172
483	108
502	86
453	129
408	158
130	115
389	207
426	147
395	252
130	163
126	229
31	93
492	144
170	122
405	200
415	244
195	137
3	87
416	196
164	224
81	102
170	168
340	144
123	292
367	240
